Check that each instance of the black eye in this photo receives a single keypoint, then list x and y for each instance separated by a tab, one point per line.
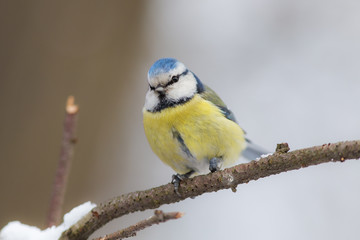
174	79
151	87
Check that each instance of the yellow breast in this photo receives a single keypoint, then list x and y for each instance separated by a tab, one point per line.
204	130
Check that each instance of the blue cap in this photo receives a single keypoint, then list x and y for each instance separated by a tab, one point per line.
163	65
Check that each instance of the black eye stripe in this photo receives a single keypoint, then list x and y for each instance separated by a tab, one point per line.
173	80
184	73
176	78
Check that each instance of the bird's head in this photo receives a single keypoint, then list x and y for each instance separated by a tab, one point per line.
170	83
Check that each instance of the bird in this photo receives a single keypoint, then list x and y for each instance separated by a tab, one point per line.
187	124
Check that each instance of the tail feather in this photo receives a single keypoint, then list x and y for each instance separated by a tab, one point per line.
253	151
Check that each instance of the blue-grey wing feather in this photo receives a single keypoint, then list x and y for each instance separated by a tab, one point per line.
252	151
211	96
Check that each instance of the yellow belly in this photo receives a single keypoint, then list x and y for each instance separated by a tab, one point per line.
204	130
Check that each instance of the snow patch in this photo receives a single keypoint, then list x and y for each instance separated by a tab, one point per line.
18	231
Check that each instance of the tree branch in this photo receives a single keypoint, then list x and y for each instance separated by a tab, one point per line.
159	217
280	161
63	168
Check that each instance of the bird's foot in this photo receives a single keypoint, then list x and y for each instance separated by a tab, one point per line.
214	164
177	178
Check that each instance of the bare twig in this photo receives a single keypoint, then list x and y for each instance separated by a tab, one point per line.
159	217
280	161
62	171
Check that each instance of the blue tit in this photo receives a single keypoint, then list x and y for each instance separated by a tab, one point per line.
187	125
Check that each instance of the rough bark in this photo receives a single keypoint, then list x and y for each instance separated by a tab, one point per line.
280	161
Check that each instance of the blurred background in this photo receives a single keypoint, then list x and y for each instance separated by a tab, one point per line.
288	69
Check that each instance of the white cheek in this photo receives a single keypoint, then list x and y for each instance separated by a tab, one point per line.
151	100
185	88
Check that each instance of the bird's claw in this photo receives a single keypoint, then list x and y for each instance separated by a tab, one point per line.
177	178
214	164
